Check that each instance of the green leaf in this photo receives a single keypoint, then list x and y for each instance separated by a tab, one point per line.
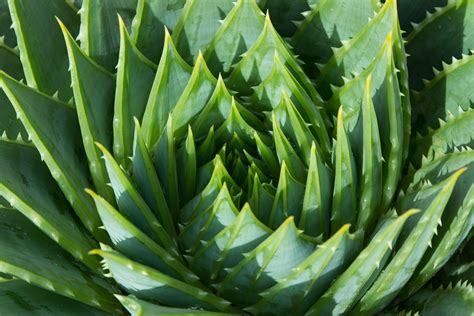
5	24
285	13
308	281
148	26
187	168
371	176
328	25
59	144
238	32
269	262
194	97
147	182
147	283
226	249
170	81
411	12
28	254
288	199
190	33
164	161
143	308
20	298
103	46
359	51
93	89
134	79
399	270
132	242
442	97
261	199
28	186
42	51
11	64
210	222
457	38
316	211
344	204
349	287
132	205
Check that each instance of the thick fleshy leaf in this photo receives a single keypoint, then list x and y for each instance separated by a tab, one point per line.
352	284
143	308
103	46
456	19
5	24
132	205
328	25
261	199
226	249
344	204
198	24
20	298
269	262
59	144
187	168
42	49
11	64
295	293
359	51
147	283
285	13
147	182
135	75
132	242
239	30
288	199
194	97
402	266
148	26
170	81
445	93
93	89
30	255
411	12
316	211
28	186
371	173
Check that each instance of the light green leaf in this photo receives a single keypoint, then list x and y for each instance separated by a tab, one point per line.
30	255
93	89
59	144
42	51
134	79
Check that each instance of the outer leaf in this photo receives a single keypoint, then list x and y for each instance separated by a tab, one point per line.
134	78
190	33
29	255
5	24
28	186
401	267
235	36
170	81
147	283
21	298
103	46
93	89
59	144
42	51
328	25
148	26
143	308
352	284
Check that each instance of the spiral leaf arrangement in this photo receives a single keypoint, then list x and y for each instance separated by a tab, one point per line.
262	157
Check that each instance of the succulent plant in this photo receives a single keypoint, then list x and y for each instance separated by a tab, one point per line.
262	157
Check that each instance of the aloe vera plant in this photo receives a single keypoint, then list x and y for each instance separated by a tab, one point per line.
257	157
